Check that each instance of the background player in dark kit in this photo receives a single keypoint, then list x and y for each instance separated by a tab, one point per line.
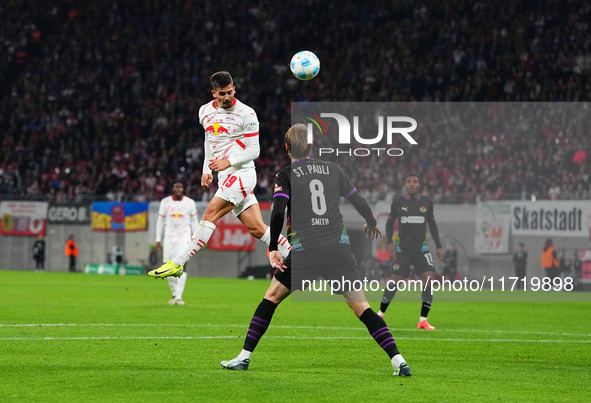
413	211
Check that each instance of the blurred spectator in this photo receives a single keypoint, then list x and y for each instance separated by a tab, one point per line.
71	251
39	252
450	260
549	262
577	270
520	263
95	99
383	256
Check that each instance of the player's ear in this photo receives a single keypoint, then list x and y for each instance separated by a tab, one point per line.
213	94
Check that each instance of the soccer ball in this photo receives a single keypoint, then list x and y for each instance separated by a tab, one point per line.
304	65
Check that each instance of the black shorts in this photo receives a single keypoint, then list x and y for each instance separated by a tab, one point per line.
335	262
421	261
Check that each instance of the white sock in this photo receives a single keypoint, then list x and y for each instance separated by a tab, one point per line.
180	285
422	318
172	282
244	355
397	360
381	314
197	241
282	244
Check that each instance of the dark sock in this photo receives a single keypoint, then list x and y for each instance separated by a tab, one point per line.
379	331
427	300
386	299
259	324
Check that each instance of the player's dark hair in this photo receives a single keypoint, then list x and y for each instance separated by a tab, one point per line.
175	182
296	139
408	175
220	79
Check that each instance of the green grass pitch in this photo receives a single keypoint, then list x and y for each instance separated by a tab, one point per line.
89	338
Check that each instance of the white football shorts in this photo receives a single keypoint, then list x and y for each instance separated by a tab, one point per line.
237	186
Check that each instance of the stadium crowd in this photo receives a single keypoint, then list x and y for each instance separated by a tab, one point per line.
100	100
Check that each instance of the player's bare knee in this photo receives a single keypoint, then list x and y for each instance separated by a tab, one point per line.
274	296
358	307
276	292
210	214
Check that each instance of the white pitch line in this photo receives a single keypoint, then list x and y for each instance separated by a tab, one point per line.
244	325
284	337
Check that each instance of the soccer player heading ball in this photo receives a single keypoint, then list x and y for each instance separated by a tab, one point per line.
311	191
231	146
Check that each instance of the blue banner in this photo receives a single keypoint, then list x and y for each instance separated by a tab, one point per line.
112	216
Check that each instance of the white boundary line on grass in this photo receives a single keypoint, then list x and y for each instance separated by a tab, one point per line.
244	325
283	337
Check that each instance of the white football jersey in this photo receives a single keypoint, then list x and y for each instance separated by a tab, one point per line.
177	220
226	129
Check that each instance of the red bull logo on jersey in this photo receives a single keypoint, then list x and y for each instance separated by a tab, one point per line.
216	129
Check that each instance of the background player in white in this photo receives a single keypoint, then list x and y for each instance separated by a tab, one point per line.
177	220
231	146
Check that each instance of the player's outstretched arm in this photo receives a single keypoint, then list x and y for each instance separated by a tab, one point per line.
276	224
372	232
250	150
435	235
206	177
276	260
362	207
389	235
217	165
206	180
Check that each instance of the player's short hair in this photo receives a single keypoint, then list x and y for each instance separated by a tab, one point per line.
175	182
220	79
296	139
408	175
